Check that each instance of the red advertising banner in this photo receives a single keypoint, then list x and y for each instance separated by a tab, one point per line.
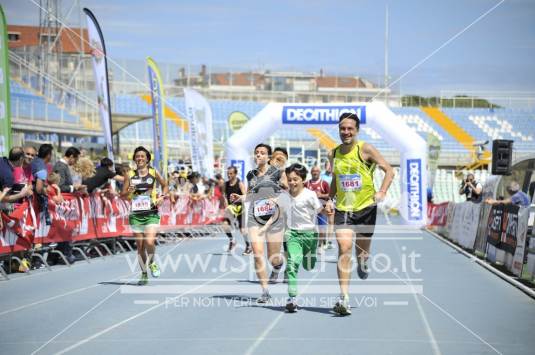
437	215
81	218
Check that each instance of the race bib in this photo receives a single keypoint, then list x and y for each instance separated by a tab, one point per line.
141	203
135	182
350	183
264	208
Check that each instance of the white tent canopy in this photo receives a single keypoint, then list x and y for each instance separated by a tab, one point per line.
412	148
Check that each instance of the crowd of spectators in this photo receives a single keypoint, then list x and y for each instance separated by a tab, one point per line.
42	176
36	176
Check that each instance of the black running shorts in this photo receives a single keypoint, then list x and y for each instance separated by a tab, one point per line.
362	222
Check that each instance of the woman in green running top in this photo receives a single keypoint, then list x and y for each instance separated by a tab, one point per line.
140	189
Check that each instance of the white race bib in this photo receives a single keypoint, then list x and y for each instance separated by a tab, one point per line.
135	182
350	183
264	208
141	203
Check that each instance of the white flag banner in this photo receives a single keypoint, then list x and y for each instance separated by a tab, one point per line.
199	115
100	69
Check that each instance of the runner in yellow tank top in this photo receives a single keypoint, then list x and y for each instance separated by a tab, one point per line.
353	163
140	188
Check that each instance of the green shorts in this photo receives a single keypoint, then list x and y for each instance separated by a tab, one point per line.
138	222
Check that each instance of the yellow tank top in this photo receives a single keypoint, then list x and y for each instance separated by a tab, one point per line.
354	180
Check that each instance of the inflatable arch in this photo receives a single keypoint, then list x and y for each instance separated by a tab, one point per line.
376	115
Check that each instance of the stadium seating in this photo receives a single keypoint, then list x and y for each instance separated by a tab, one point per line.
482	124
489	124
26	104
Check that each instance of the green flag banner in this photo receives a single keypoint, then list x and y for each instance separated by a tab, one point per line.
5	110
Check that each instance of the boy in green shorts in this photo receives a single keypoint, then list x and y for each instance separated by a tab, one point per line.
301	235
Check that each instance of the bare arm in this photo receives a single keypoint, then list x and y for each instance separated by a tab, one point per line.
506	201
119	178
329	206
126	188
476	189
242	188
332	190
241	197
27	191
3	193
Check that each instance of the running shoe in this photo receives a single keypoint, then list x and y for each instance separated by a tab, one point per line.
247	251
342	307
291	305
144	279
231	245
362	270
265	298
154	269
274	277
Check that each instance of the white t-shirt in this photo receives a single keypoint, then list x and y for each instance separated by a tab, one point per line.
301	211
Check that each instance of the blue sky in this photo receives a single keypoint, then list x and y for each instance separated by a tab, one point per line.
497	53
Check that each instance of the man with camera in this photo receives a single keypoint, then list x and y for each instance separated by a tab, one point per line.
472	189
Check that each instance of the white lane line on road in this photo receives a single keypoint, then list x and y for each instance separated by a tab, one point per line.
74	322
135	316
89	311
395	303
57	296
146	302
119	278
75	266
262	336
450	315
429	331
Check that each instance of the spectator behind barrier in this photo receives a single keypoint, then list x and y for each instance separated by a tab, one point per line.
180	186
518	197
62	167
472	189
83	169
40	177
22	175
29	155
53	190
219	190
327	174
121	170
39	167
197	189
173	181
13	173
7	179
102	175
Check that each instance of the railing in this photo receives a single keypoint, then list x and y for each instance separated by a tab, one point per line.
28	109
54	90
